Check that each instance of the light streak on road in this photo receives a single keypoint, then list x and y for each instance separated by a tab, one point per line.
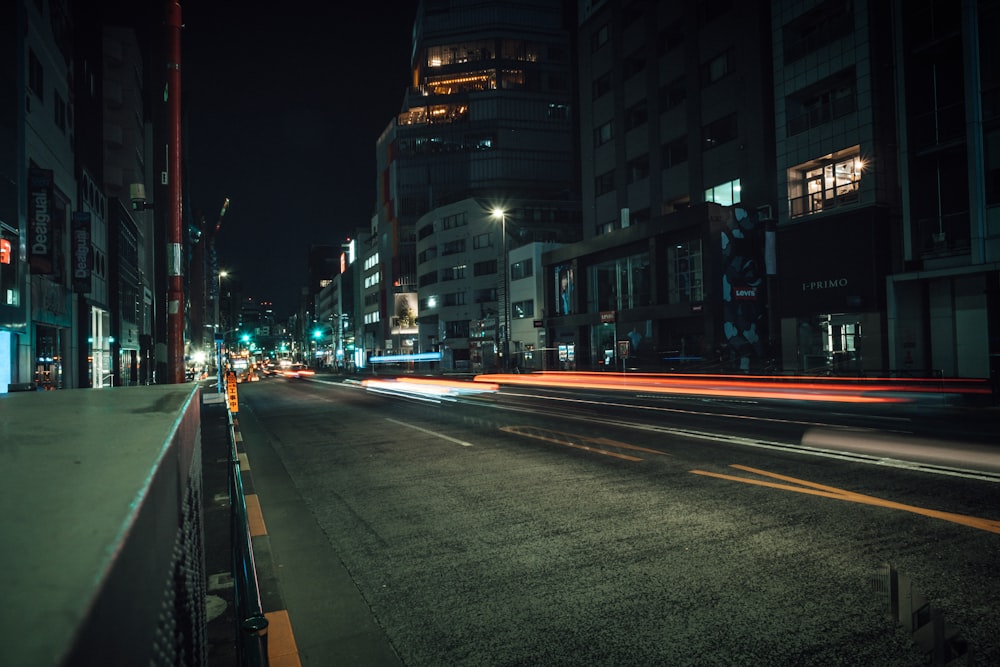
800	388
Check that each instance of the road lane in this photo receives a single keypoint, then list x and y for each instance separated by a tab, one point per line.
521	550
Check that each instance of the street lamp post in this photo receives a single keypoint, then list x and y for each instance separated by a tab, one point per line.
218	343
505	338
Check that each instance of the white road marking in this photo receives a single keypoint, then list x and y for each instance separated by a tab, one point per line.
430	432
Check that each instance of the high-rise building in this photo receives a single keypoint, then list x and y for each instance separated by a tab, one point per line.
486	123
785	185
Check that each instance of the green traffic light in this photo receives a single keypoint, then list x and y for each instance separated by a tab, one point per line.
317	333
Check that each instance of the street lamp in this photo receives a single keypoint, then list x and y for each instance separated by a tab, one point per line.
505	349
218	343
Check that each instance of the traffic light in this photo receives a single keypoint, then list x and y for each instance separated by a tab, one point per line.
317	333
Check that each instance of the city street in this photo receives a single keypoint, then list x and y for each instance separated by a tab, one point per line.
528	527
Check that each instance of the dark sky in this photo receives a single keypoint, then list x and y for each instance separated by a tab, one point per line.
282	111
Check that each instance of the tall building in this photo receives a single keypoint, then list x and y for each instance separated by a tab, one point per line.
486	123
784	185
675	129
943	300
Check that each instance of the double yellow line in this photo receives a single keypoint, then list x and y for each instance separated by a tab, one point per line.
597	445
814	489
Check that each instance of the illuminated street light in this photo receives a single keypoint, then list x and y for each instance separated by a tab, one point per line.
505	337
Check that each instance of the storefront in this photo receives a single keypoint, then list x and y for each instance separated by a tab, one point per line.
832	276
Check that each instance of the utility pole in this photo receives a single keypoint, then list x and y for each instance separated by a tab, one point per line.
175	245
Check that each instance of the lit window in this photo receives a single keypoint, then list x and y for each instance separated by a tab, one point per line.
685	273
725	194
826	183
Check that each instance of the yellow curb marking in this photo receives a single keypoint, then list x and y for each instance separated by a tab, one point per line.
281	648
812	488
254	516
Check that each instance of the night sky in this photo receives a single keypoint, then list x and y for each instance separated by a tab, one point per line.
282	111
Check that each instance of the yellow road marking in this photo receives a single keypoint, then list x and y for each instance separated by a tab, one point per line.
574	440
282	650
244	461
254	516
812	488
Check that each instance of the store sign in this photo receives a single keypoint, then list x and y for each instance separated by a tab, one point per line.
607	317
81	252
834	283
41	228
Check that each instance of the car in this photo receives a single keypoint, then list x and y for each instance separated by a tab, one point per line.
298	371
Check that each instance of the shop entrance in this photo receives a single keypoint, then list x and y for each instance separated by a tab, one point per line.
830	344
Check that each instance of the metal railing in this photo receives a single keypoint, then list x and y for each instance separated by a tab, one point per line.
251	624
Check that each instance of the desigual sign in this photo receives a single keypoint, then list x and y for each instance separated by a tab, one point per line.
40	230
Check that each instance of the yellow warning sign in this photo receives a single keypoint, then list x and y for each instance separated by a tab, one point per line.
234	403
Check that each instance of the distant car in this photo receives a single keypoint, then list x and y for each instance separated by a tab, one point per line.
298	371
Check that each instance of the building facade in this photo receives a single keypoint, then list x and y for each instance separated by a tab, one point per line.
487	117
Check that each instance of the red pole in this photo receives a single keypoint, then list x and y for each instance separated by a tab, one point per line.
175	246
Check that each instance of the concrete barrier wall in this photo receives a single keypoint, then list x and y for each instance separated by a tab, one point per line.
101	513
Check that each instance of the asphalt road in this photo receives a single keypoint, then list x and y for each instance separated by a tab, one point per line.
557	529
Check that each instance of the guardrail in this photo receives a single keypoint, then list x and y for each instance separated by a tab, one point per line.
251	624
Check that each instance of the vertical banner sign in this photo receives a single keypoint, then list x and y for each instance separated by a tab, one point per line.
231	395
41	234
82	256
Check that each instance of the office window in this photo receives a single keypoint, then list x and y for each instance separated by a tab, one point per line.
600	37
604	133
485	295
636	115
822	25
827	100
489	267
481	241
633	65
719	132
826	183
453	247
452	221
523	309
453	299
558	112
669	38
637	169
604	183
453	272
605	227
717	67
621	283
522	269
36	76
672	94
457	329
59	105
725	194
428	278
675	152
684	267
602	85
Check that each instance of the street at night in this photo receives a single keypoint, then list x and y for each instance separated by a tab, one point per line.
545	526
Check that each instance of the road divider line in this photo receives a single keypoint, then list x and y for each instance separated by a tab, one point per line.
815	489
576	441
430	432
